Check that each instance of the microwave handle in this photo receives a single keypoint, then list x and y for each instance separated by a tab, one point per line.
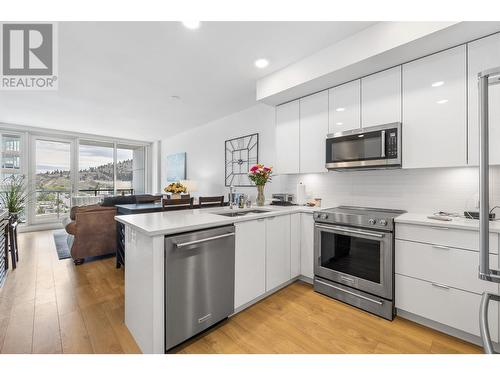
382	137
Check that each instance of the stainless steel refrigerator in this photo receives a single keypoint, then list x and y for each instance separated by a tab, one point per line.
486	79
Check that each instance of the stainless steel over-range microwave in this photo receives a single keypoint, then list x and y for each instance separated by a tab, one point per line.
375	147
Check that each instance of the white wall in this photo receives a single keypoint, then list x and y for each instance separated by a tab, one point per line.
414	190
204	146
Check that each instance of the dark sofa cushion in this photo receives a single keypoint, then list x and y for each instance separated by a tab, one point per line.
119	199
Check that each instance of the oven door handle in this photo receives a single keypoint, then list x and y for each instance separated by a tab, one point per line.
351	293
347	230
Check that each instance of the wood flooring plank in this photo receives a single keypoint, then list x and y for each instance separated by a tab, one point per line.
101	333
46	332
74	335
19	334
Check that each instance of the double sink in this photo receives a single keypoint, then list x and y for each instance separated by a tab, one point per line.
240	213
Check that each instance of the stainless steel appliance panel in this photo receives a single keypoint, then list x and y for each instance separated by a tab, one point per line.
355	257
199	282
374	147
354	297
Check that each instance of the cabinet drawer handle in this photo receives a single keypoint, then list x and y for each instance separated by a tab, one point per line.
441	247
440	286
440	228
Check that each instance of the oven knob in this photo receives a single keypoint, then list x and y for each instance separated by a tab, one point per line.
323	216
372	221
383	222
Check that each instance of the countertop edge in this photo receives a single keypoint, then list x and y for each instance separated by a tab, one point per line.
455	223
124	219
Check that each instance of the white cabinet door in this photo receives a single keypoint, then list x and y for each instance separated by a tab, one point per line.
313	131
287	138
434	110
381	98
483	54
277	251
250	261
294	245
307	245
344	107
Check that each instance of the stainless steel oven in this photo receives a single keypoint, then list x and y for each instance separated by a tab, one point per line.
374	147
354	257
358	258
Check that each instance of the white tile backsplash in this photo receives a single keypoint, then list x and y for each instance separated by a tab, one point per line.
414	190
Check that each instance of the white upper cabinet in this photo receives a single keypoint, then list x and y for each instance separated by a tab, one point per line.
484	54
287	138
313	131
435	110
381	98
345	107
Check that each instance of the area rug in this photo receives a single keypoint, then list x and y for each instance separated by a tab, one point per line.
60	239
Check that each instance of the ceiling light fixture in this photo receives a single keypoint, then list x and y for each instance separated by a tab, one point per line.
339	123
261	63
340	109
437	84
442	101
193	25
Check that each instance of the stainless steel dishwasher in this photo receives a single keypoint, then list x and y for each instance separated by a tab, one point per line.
199	282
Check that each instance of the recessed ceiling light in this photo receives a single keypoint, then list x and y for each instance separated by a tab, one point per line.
437	84
361	136
193	25
339	123
442	101
261	63
340	109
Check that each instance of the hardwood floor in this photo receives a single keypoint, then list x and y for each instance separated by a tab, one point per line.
50	306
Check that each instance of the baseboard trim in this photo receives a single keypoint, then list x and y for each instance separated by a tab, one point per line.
39	227
444	328
265	295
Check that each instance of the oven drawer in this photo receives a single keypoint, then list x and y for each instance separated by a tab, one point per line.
445	265
452	307
458	238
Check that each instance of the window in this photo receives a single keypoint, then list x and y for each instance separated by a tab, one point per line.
130	165
96	169
11	155
99	175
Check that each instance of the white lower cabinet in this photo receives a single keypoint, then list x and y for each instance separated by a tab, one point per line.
277	251
270	252
436	276
294	245
250	261
449	306
307	245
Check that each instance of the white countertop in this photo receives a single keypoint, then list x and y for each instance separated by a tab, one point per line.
171	222
456	222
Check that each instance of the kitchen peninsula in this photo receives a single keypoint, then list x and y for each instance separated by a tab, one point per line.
273	246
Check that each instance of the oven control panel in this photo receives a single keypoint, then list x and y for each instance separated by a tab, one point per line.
383	223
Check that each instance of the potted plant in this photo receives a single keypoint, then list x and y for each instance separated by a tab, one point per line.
260	175
175	188
14	194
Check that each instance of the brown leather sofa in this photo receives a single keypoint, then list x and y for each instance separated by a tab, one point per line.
92	231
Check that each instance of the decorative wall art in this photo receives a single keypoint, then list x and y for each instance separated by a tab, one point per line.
241	154
176	167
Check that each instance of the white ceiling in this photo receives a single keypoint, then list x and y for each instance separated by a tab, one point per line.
118	79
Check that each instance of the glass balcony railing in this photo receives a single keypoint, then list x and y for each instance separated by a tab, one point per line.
52	205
